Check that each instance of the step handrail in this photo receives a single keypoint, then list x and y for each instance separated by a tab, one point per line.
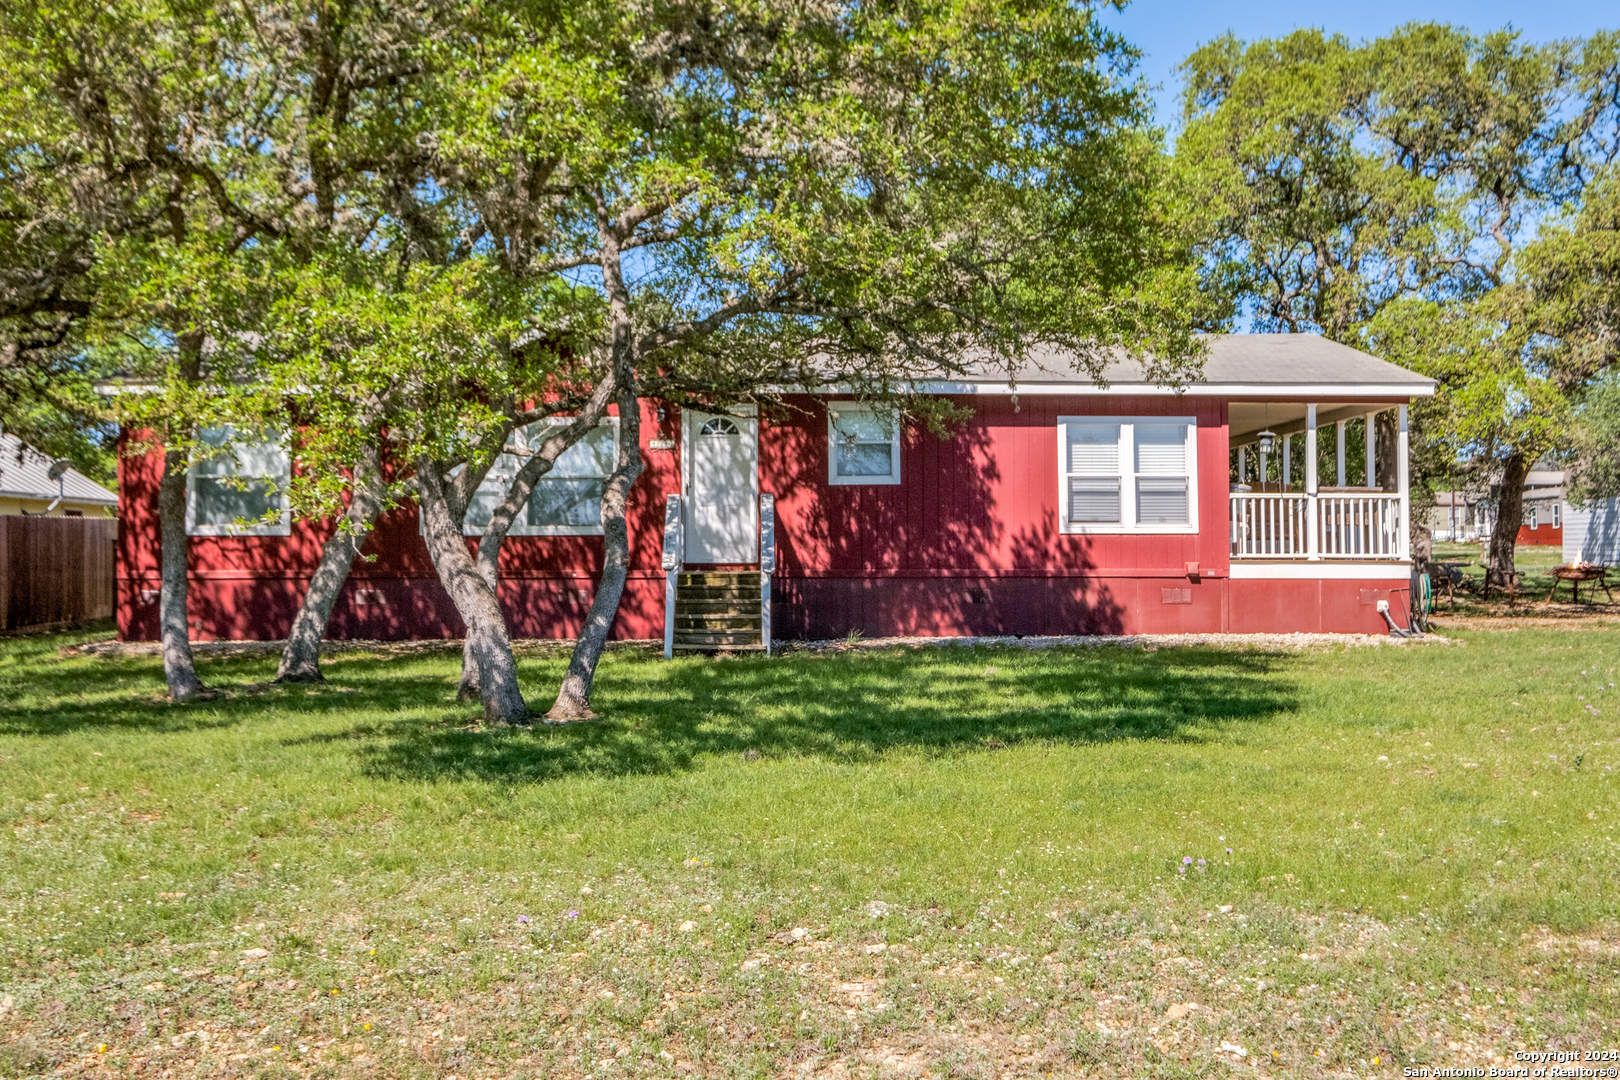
674	557
767	565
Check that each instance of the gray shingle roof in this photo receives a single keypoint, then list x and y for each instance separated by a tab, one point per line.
23	474
1248	360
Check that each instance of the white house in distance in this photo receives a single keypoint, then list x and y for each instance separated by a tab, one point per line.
31	483
1592	533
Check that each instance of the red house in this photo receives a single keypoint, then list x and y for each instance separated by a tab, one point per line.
1061	507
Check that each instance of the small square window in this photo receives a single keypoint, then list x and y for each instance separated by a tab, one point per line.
863	445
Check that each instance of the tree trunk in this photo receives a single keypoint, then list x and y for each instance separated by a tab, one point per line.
301	658
179	668
1509	513
1422	540
487	641
517	500
1384	450
574	696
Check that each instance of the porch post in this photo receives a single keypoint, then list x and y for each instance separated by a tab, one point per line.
1372	455
1243	463
1287	463
1313	523
1403	483
1264	471
1340	454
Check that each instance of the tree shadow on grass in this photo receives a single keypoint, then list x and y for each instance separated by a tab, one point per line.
45	694
399	718
662	717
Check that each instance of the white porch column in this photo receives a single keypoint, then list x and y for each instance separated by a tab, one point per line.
1265	471
1340	455
1403	483
1372	452
1313	519
1287	463
1243	464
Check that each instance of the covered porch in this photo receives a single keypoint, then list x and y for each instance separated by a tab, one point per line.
1288	503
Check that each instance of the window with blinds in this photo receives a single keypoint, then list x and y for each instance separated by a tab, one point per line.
1127	474
1161	474
863	445
238	486
1094	474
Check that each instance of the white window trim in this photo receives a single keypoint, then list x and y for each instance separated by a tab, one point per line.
840	408
521	526
1127	479
281	527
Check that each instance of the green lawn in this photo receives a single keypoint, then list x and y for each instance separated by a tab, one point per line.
958	861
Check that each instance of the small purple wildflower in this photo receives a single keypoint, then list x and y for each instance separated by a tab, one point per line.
523	918
1186	860
1229	851
1200	862
572	914
1181	869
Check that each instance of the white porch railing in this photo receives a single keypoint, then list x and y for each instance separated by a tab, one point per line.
1332	526
1361	527
1270	526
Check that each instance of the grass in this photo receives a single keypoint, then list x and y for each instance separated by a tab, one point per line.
959	861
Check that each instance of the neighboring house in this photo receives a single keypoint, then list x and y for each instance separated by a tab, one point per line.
1468	515
1542	523
28	486
1592	533
1460	516
1060	507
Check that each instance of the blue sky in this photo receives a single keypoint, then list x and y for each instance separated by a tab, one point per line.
1167	30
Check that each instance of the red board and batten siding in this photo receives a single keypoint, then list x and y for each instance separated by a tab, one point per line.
967	543
248	588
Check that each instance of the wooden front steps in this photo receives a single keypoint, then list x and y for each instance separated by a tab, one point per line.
718	610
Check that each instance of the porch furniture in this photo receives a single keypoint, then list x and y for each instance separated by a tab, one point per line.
1450	575
1577	574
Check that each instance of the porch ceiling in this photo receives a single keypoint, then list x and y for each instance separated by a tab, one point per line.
1248	418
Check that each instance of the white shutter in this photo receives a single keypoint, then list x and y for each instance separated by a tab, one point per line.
1161	449
1094	450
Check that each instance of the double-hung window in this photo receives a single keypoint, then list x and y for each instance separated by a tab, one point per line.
1128	474
238	486
863	445
567	501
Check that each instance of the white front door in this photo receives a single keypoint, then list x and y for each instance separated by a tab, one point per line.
722	486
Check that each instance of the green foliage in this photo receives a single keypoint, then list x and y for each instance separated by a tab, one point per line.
1597	435
1436	196
853	189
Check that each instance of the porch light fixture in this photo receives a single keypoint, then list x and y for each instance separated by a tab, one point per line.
1268	439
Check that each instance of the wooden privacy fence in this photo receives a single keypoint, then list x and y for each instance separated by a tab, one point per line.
55	570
